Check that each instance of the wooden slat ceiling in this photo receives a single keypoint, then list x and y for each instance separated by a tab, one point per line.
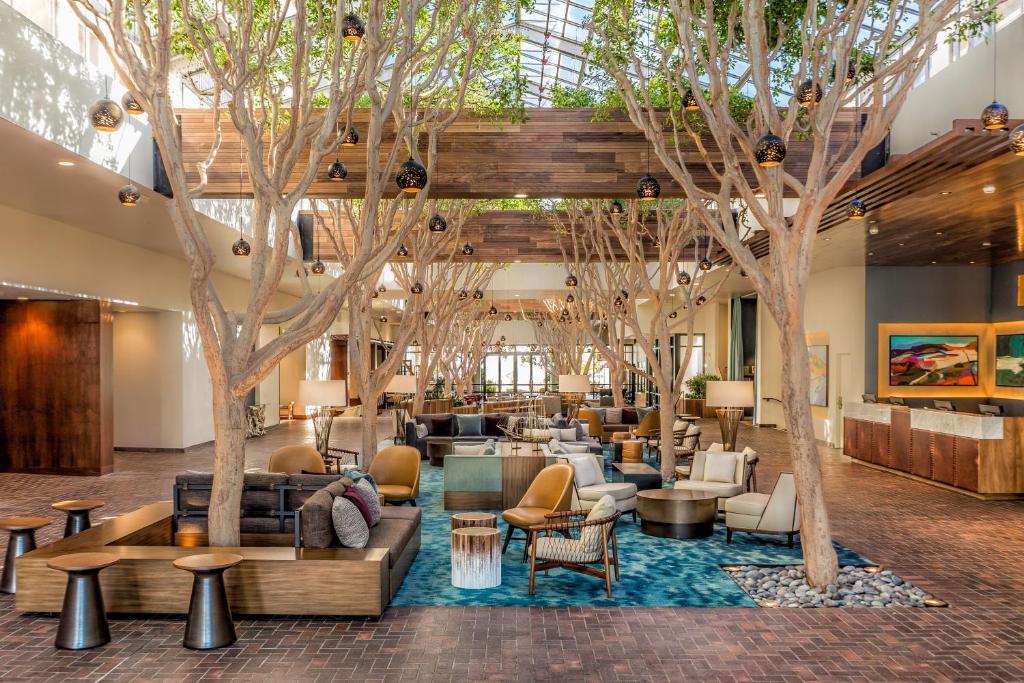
930	208
555	153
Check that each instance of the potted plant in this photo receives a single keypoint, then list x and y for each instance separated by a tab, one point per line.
696	392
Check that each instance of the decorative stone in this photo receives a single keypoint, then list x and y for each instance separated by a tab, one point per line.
854	587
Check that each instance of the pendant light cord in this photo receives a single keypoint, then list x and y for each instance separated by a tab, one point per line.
241	162
995	57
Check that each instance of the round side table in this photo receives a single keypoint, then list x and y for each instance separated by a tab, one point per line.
476	557
22	540
616	441
78	514
83	619
209	623
677	513
461	520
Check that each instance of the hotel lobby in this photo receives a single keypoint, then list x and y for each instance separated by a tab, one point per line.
476	340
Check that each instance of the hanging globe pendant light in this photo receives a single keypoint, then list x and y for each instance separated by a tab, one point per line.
411	176
570	299
701	300
352	28
571	281
467	249
437	223
1017	140
690	101
683	278
492	311
673	314
463	294
337	171
647	188
770	150
618	301
383	319
808	94
129	195
241	247
318	267
856	210
350	138
106	115
478	295
705	264
995	116
417	288
402	251
508	318
616	208
131	105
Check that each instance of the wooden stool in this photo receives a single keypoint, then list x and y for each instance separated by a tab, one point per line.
209	622
22	540
632	451
78	514
461	520
476	557
83	619
617	439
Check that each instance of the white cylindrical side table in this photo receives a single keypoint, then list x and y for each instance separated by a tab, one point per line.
476	557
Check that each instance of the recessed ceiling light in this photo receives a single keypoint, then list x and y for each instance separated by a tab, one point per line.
988	189
65	163
520	195
986	244
938	232
934	262
828	239
22	298
945	192
871	253
970	261
901	244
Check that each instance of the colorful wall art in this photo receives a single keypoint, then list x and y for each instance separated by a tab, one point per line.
933	360
1010	360
818	359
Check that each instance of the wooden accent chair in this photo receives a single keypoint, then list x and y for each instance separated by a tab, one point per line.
597	533
396	469
296	459
550	491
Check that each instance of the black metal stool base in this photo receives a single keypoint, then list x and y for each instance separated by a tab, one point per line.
209	622
20	542
78	521
83	620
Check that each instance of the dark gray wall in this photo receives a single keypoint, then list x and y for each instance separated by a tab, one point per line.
1004	292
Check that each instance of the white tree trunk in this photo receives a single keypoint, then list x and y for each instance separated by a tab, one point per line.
369	431
668	453
228	467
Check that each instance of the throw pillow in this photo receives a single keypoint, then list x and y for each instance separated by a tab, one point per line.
353	494
442	426
582	430
720	467
336	488
469	449
715	447
556	446
511	422
372	500
587	473
591	538
576	447
630	416
470	425
349	523
680	426
355	475
422	431
613	416
317	526
563	434
493	422
692	430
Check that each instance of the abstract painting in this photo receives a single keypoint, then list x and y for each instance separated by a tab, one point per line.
933	360
818	358
1010	360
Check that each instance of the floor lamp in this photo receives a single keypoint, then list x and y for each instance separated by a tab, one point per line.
405	385
730	398
574	388
322	395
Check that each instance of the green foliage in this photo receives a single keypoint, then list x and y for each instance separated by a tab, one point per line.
565	97
697	386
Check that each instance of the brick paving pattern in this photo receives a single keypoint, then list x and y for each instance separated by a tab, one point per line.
964	550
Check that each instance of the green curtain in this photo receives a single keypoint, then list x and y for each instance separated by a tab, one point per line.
736	341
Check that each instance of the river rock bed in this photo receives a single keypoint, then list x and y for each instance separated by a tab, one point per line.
855	587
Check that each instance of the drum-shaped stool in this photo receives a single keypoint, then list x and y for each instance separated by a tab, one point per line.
83	619
209	623
22	540
632	451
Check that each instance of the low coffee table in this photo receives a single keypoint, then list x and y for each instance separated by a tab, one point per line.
641	474
437	449
676	513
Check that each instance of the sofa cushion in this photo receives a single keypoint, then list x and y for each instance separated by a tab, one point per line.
356	496
349	523
442	426
720	467
401	512
562	434
612	416
317	522
576	447
747	504
487	448
715	447
337	487
305	485
617	490
492	422
394	534
717	487
630	416
470	425
556	447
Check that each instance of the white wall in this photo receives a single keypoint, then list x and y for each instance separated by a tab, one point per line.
268	392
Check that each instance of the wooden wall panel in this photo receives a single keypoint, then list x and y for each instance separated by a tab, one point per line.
967	453
944	458
864	440
56	379
850	445
921	453
899	440
880	444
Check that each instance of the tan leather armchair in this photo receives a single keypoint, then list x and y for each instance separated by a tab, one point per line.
649	426
593	420
550	491
396	469
296	459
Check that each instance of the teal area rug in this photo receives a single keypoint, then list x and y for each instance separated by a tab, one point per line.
656	572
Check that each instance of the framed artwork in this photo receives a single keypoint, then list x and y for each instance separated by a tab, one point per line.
933	360
1010	360
818	360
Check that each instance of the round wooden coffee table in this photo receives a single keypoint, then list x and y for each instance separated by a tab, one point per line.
675	513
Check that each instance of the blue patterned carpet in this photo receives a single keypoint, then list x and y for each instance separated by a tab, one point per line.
656	572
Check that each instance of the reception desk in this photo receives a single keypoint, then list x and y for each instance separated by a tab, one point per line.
978	454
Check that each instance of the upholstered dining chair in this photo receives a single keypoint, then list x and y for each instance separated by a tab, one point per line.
760	513
649	426
396	469
596	544
296	459
550	491
595	428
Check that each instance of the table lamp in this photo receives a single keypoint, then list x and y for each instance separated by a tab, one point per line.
574	388
730	397
400	384
322	394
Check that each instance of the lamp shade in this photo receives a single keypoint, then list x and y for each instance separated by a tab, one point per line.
735	394
402	384
322	392
574	384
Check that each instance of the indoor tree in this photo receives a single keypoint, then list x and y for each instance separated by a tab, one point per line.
464	348
707	86
287	82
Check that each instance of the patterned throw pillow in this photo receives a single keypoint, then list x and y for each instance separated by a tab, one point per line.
355	475
358	499
349	523
372	500
422	431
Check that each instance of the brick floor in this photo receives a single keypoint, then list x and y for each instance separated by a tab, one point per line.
964	550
